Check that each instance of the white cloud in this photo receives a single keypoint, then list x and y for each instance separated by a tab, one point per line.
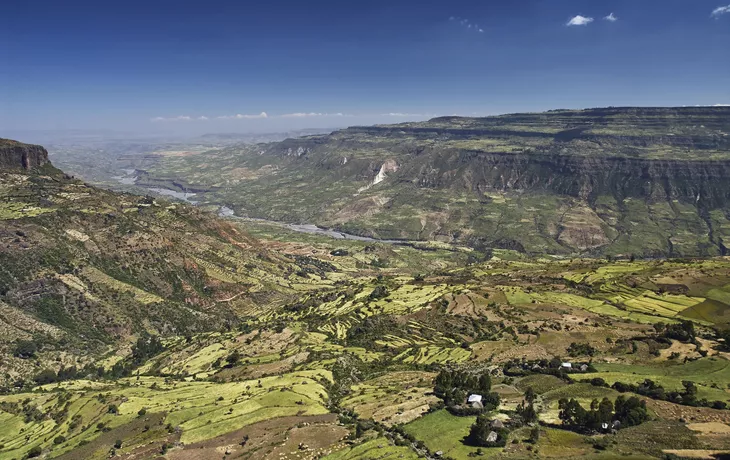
611	18
720	10
202	117
401	114
311	114
721	105
579	21
239	116
178	118
466	23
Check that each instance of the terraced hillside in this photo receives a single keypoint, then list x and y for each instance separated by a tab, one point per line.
138	328
618	181
82	269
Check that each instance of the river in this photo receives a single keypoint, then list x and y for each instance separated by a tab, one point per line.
306	228
129	179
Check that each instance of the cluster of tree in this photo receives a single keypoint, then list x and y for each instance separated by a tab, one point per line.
649	388
483	433
581	349
25	349
724	336
144	349
493	433
526	410
683	331
454	386
554	366
627	412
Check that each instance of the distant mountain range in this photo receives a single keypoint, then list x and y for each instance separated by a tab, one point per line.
619	181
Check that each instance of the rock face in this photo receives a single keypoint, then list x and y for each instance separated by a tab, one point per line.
16	155
642	181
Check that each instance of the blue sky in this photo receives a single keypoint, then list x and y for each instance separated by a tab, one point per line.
193	66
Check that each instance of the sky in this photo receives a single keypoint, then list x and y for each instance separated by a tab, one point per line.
193	67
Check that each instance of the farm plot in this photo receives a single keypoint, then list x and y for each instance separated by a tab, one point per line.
711	375
397	397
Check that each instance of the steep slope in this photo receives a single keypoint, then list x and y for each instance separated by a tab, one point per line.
620	181
82	269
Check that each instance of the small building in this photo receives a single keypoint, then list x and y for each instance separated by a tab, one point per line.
604	426
477	405
584	367
474	398
492	436
440	453
497	424
566	365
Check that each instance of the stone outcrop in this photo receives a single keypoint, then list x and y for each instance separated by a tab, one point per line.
16	155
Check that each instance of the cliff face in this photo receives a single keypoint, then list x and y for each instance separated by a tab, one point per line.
651	181
706	183
16	155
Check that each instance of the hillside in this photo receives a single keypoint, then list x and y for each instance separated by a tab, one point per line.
83	270
616	181
133	327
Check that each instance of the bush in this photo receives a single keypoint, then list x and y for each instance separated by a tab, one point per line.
59	440
25	349
35	452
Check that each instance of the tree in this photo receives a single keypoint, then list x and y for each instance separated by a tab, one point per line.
45	377
25	349
689	395
118	444
530	395
605	411
631	411
233	358
480	430
485	383
35	452
527	412
535	434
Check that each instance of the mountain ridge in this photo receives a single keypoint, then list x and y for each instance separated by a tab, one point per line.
617	181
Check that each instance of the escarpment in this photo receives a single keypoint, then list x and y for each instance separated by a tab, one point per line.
706	183
16	155
617	180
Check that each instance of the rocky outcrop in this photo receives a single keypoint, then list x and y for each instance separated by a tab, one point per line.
16	155
706	183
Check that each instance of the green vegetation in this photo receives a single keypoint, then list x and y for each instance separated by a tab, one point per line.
596	181
131	326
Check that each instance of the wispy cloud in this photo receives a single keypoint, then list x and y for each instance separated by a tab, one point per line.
611	18
405	115
720	10
239	116
466	23
721	105
311	114
178	118
579	21
264	115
